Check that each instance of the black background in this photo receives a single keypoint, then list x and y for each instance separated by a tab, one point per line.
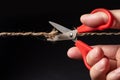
30	58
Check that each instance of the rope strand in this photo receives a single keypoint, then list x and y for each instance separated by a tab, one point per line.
100	34
53	33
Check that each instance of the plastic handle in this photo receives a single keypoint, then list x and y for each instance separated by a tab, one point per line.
84	49
84	28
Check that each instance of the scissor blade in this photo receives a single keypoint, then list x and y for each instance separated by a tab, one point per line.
59	27
71	35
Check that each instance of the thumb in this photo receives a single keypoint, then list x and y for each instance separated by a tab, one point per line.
99	18
94	20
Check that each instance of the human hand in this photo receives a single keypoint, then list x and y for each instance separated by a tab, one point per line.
103	59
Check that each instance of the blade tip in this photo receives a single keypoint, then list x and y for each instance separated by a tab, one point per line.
50	22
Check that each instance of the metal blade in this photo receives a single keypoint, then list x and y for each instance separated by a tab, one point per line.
59	27
71	35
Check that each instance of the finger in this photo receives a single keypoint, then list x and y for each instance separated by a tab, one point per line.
94	56
110	51
114	75
99	70
74	53
116	14
99	18
94	20
118	57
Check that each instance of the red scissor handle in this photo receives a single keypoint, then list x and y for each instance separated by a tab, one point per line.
83	47
84	28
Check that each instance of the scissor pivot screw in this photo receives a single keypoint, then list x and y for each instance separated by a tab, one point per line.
71	34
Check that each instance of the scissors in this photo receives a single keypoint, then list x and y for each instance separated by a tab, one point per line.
68	34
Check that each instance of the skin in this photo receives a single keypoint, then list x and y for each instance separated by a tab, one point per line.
103	59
